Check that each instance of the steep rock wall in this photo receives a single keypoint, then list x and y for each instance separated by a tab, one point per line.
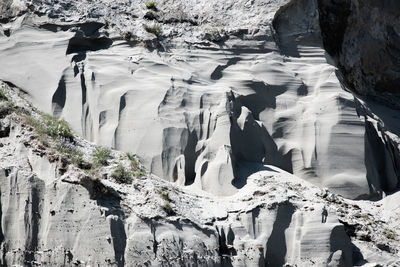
201	113
364	37
50	219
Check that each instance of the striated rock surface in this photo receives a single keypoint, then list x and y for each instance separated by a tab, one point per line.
56	216
229	102
207	96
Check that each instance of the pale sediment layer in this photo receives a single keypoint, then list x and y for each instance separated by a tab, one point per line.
198	112
224	100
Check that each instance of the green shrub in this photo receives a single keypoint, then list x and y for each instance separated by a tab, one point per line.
151	5
130	156
154	29
7	109
134	163
391	235
38	126
3	95
50	126
135	167
71	152
165	195
121	174
57	128
101	155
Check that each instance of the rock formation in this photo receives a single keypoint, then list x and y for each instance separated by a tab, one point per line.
254	114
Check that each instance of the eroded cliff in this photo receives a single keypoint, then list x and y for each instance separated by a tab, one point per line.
217	98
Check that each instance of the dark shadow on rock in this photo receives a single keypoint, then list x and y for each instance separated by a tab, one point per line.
333	15
302	90
339	241
264	96
32	217
59	98
358	258
1	216
223	251
251	142
119	240
87	28
175	99
217	73
276	245
78	58
117	131
191	156
83	44
107	197
381	161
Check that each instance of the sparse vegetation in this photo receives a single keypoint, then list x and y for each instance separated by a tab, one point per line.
71	152
47	125
135	164
167	202
214	34
57	139
151	5
6	109
165	195
121	174
390	236
57	128
168	208
154	29
389	233
130	156
137	170
101	155
3	95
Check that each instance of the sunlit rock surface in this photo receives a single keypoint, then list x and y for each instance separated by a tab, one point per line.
225	89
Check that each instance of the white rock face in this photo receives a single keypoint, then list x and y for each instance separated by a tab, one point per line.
52	219
194	110
227	101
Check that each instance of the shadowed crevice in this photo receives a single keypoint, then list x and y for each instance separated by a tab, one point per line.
217	73
122	106
223	250
333	16
380	161
107	197
341	248
88	28
3	174
190	155
32	219
83	44
119	240
59	98
264	97
276	245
